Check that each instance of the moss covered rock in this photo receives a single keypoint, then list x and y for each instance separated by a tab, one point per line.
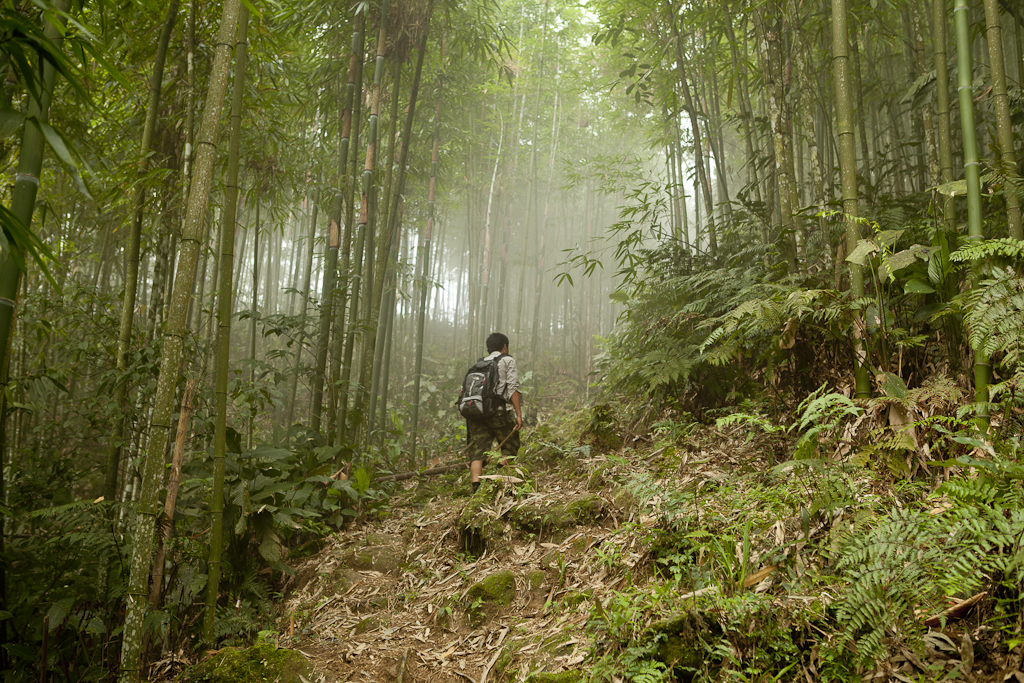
366	625
384	553
343	578
574	599
598	478
623	500
547	457
504	669
586	509
679	639
261	663
535	580
490	596
602	430
539	520
479	530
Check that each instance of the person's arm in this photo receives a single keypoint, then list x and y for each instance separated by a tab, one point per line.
511	381
519	410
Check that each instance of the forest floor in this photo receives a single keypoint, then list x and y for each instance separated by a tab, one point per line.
684	553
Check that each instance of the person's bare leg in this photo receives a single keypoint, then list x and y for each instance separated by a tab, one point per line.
475	468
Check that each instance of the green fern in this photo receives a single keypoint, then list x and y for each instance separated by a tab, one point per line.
910	560
994	312
978	251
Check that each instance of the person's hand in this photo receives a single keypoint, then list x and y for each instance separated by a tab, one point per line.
519	422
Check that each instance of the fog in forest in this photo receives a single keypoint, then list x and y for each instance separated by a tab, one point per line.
250	250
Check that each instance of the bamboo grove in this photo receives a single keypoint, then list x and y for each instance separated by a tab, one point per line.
249	249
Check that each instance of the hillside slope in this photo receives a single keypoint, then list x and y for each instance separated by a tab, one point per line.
690	554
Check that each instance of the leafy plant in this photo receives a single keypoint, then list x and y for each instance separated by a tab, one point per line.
908	561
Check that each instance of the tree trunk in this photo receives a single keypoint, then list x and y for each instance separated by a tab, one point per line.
807	110
365	222
531	198
374	359
374	342
23	196
543	232
927	122
961	20
698	152
224	309
507	220
388	319
174	339
424	255
867	158
171	499
771	31
253	313
848	173
345	341
124	338
485	284
308	269
1004	126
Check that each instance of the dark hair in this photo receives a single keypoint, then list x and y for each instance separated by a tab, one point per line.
496	342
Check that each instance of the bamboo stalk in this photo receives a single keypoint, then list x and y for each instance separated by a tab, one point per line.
124	338
174	341
224	308
341	356
972	173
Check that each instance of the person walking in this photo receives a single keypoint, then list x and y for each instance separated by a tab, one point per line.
507	419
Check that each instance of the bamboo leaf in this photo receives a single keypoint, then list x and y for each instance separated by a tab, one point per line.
935	270
60	147
10	122
889	237
270	549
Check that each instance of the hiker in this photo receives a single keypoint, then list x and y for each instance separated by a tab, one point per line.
488	406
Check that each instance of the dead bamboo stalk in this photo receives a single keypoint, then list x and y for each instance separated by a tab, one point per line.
171	500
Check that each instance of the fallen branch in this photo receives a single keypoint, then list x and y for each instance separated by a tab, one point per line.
956	611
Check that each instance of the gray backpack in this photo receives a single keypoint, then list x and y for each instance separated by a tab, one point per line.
479	398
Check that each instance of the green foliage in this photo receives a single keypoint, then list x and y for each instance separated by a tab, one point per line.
907	562
56	552
973	252
260	663
274	494
822	412
994	313
661	342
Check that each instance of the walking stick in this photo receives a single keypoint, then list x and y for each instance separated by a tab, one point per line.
506	439
503	442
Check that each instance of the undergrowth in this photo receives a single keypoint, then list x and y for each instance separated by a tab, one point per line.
822	567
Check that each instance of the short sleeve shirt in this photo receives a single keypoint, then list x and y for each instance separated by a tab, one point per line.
508	376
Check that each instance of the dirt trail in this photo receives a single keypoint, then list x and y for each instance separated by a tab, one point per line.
494	586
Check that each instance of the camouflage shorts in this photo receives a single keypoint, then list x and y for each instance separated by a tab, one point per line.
482	434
